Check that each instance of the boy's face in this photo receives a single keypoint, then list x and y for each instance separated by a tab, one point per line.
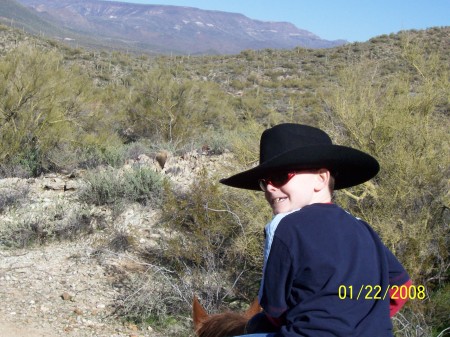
301	190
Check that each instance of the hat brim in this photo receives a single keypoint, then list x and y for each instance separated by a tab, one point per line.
349	166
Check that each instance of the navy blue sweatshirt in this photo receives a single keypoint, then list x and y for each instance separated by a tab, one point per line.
328	275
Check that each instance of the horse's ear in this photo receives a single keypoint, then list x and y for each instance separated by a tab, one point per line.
199	314
254	309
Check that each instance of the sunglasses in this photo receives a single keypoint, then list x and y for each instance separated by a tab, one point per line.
276	180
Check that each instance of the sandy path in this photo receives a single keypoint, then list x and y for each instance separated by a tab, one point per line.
32	285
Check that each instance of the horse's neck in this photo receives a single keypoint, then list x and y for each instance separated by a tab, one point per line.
222	325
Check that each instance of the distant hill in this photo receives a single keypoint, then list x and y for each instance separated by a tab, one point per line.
154	28
19	16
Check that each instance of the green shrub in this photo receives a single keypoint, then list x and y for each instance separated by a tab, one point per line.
154	299
58	222
103	187
12	195
213	240
143	185
165	108
36	108
49	112
244	142
439	309
239	85
109	186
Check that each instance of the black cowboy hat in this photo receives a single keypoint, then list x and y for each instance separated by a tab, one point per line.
288	147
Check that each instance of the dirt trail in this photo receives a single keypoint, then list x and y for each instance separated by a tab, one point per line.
57	290
11	330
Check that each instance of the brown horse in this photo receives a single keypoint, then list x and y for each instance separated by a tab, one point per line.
224	324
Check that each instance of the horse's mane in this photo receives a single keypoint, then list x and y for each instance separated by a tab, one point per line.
223	325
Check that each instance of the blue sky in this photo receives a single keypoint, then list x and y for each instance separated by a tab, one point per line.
352	20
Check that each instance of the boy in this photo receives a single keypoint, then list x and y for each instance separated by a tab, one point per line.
326	273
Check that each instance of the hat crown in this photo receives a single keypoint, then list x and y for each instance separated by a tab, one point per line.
287	147
288	136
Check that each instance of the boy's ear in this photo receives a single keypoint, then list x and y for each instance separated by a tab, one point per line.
323	178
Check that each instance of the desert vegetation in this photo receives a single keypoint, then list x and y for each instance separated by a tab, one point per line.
66	110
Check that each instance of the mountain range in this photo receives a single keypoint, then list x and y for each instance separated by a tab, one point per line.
157	29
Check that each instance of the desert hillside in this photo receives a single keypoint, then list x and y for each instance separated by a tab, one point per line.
111	214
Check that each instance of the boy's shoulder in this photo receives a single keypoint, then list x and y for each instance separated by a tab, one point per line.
320	219
319	211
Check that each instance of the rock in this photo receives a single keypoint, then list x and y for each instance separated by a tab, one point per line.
131	326
66	296
78	311
144	159
54	183
44	309
70	185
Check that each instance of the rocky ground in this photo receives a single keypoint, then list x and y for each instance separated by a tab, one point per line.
60	288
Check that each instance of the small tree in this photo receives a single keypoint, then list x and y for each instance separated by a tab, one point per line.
46	109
